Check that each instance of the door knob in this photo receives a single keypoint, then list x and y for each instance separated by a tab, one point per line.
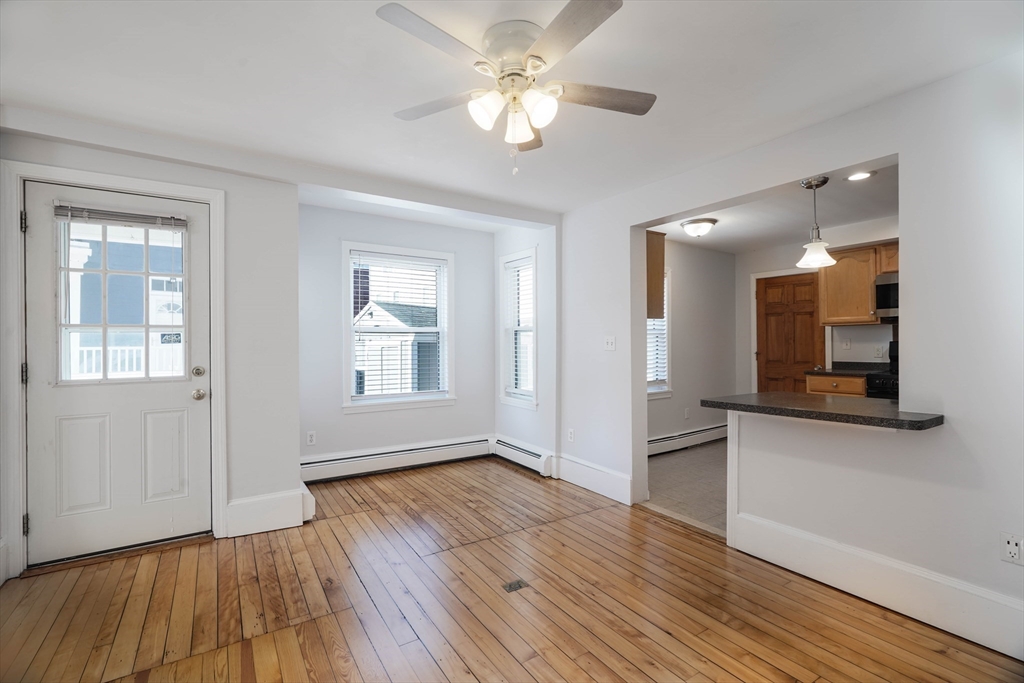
199	394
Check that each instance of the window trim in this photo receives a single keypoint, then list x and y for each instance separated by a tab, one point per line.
657	390
446	298
505	395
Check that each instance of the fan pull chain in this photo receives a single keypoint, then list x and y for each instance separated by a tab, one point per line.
515	160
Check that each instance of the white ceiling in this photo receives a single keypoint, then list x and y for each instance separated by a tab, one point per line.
319	81
785	214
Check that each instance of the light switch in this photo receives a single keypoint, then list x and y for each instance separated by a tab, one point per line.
609	343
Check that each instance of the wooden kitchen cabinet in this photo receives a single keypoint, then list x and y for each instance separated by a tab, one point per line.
841	386
846	290
889	257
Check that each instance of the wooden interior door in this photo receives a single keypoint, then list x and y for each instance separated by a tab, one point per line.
790	339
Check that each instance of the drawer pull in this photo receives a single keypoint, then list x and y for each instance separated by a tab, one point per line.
835	384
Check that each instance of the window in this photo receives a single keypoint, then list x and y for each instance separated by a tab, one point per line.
519	336
657	352
398	332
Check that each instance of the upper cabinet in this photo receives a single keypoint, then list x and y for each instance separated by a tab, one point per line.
655	274
847	289
889	257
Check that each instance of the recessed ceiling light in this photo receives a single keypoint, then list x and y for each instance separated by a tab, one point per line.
862	175
697	227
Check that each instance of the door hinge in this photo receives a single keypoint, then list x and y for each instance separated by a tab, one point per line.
24	220
24	524
24	373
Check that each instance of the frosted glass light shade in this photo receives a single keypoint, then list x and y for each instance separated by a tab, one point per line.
816	256
541	108
518	130
698	228
486	109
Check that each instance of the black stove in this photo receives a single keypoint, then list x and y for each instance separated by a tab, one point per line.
886	384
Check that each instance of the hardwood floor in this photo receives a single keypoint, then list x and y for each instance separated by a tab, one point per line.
400	577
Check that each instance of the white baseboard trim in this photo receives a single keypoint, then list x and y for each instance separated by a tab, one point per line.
664	444
978	614
350	463
308	504
522	453
4	567
267	512
594	477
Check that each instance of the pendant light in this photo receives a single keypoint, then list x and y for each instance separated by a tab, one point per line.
816	255
518	130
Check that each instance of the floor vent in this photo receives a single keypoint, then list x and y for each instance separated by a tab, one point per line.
515	585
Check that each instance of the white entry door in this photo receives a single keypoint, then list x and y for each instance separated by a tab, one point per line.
118	335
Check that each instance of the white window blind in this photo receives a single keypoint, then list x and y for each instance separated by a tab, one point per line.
520	333
398	325
657	349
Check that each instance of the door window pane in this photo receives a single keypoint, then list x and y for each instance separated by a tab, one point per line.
126	248
167	353
165	251
126	353
81	298
126	300
166	303
82	353
82	246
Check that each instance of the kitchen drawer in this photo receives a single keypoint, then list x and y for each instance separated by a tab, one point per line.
832	384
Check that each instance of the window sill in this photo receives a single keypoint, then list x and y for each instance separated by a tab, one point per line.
518	402
396	404
654	394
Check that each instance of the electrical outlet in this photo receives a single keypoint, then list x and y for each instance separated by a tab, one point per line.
609	343
846	345
310	438
686	413
572	435
879	352
1010	548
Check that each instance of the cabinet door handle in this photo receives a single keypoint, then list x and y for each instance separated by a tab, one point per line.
835	384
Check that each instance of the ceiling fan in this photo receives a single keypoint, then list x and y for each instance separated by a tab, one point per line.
515	54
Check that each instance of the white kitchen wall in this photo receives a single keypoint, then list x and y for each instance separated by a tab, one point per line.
535	430
929	504
784	257
321	335
864	341
702	339
261	283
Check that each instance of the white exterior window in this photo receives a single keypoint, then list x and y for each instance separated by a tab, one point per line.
519	334
398	305
657	352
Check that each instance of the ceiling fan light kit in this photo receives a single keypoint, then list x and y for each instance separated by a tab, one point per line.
514	54
816	254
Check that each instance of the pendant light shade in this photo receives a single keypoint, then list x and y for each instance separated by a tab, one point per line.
540	106
815	256
518	130
486	109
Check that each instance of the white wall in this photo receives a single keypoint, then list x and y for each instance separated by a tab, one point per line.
941	497
321	335
784	257
261	295
702	339
535	430
863	341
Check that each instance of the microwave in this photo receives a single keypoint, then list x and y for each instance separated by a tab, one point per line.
887	295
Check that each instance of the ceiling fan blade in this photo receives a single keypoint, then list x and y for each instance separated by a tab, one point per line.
576	21
417	26
626	101
532	144
428	108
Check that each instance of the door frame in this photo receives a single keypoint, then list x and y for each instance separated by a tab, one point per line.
754	277
13	395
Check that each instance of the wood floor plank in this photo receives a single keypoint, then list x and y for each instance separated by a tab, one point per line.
250	599
101	608
204	619
229	614
309	581
55	633
179	628
266	667
154	632
325	571
289	656
348	649
314	655
58	662
282	597
121	659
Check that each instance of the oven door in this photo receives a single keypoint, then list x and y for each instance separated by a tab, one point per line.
887	295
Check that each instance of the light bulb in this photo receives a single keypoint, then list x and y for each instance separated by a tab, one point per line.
518	130
540	106
486	108
816	256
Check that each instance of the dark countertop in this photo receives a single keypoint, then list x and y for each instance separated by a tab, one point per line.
871	412
850	369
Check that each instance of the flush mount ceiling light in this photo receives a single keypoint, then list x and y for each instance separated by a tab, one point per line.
816	255
697	227
515	54
863	175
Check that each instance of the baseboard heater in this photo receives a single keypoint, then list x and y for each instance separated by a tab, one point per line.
663	444
401	451
506	444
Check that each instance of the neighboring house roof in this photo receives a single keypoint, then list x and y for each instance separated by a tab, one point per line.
408	315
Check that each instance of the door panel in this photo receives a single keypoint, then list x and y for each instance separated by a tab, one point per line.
790	339
117	314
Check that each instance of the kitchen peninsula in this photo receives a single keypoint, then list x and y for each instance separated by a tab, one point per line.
869	412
